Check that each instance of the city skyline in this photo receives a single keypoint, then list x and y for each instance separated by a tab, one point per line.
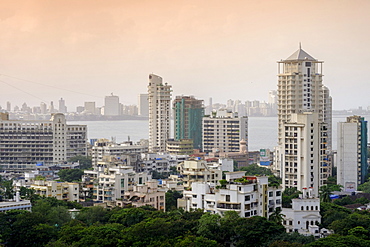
200	49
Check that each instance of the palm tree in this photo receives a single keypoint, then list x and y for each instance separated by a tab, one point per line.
276	216
325	193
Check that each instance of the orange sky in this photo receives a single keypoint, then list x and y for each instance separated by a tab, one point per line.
223	49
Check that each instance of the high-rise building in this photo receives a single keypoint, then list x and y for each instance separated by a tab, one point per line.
300	89
111	105
30	142
62	106
90	107
303	155
143	105
159	96
8	106
352	153
43	108
188	114
224	130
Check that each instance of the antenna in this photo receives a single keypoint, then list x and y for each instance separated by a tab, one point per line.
300	46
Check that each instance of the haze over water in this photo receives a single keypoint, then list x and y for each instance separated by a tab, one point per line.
262	131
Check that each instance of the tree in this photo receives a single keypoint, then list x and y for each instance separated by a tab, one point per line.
288	195
331	212
6	188
209	226
277	216
70	175
365	187
255	170
171	199
274	181
85	161
325	193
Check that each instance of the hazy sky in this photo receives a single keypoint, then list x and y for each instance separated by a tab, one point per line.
215	48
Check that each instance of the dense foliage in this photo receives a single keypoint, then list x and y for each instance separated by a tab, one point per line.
70	175
255	170
85	161
50	224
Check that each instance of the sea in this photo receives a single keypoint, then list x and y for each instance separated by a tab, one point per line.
262	131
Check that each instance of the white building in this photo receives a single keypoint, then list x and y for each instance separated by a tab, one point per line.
112	106
300	88
224	130
49	142
352	153
90	107
303	152
104	147
149	194
159	113
198	170
15	205
304	216
248	197
60	190
143	105
112	178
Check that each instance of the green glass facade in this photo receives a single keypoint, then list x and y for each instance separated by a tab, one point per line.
188	113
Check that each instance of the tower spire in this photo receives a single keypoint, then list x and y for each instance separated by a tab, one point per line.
300	46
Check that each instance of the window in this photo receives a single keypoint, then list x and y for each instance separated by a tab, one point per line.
247	198
227	198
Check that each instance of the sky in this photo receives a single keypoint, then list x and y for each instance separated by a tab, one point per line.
83	50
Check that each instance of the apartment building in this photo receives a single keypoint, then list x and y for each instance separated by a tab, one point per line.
303	156
159	96
248	196
49	142
223	131
352	153
60	190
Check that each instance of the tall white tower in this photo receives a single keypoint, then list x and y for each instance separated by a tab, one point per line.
159	96
300	90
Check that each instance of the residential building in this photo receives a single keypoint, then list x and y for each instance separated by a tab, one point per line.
104	147
304	216
149	194
224	130
90	108
112	105
188	114
248	196
143	105
62	106
159	95
59	190
111	178
180	147
303	154
31	142
197	170
352	153
300	88
241	157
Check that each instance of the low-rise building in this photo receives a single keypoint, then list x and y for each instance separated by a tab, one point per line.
180	147
149	194
60	190
248	196
304	216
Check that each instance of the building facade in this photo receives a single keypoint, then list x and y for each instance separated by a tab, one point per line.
159	96
112	105
248	196
59	190
188	114
300	89
49	142
303	153
224	130
352	153
143	106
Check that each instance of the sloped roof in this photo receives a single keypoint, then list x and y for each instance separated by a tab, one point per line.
300	55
